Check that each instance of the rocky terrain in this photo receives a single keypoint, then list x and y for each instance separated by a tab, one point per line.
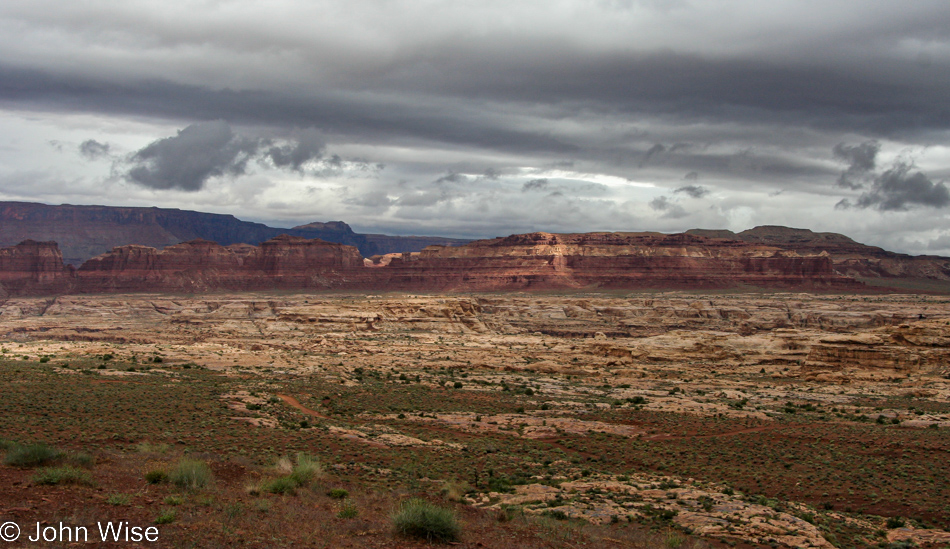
783	420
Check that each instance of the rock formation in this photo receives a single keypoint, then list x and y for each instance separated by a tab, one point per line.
850	258
280	263
535	261
83	232
33	268
609	260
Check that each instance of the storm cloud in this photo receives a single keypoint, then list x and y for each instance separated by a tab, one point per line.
187	160
93	150
861	160
695	191
901	188
490	116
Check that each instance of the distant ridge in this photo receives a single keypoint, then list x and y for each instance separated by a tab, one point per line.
84	232
850	258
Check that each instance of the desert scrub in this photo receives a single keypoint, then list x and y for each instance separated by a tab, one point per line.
62	475
302	474
418	518
30	455
119	499
307	470
151	448
156	476
167	517
191	474
338	493
281	485
348	510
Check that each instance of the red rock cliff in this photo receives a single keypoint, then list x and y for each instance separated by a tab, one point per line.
284	262
609	260
33	267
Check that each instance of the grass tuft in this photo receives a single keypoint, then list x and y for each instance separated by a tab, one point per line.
31	455
418	518
62	475
191	474
119	499
348	510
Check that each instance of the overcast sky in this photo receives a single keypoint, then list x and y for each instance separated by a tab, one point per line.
481	119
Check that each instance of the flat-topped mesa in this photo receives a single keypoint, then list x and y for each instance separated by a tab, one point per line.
33	267
200	265
197	265
293	262
610	260
850	258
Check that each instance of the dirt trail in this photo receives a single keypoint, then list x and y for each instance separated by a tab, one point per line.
296	404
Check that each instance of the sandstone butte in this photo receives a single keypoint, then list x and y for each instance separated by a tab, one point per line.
535	261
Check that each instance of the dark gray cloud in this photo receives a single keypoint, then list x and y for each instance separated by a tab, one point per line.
861	160
901	188
93	150
691	176
535	185
198	152
695	191
656	149
669	208
309	146
451	177
187	160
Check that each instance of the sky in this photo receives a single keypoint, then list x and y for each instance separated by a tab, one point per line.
483	119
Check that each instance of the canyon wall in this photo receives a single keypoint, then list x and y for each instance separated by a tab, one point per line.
535	261
609	260
33	268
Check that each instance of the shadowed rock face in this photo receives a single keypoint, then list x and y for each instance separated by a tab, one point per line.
84	232
34	268
850	258
200	265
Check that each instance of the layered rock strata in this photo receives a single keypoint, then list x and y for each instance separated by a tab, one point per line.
536	261
33	268
284	262
609	260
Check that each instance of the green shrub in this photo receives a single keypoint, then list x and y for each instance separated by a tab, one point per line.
167	517
306	470
156	476
338	493
80	459
62	475
119	499
895	522
31	455
348	510
151	448
190	473
419	518
174	500
282	485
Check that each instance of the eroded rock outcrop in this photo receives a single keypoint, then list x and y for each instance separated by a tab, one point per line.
609	260
850	258
32	268
284	262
